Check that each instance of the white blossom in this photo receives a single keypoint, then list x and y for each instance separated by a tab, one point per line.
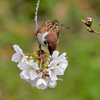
25	75
33	82
41	84
59	61
54	71
28	70
58	64
63	63
40	77
55	54
52	84
19	55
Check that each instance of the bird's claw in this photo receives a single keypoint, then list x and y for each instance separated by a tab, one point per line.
35	33
43	55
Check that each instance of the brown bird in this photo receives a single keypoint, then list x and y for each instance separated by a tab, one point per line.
48	34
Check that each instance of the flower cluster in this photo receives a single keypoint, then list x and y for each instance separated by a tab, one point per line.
40	72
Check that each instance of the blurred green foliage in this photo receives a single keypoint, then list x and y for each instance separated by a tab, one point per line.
81	80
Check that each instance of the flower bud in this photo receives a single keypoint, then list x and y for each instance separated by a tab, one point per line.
44	70
89	29
87	24
37	71
44	64
89	19
47	74
84	21
38	61
35	54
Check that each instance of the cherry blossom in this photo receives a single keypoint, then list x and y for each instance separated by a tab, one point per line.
19	55
41	84
40	73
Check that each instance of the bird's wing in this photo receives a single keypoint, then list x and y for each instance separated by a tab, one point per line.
51	25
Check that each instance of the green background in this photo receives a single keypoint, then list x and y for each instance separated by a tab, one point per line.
81	80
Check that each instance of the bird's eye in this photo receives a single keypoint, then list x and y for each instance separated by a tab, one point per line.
45	42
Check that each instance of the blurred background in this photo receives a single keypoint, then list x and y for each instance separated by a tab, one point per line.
81	80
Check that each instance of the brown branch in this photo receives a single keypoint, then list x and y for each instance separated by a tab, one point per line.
93	31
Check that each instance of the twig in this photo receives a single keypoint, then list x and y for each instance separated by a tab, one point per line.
36	24
88	23
36	27
41	64
37	6
93	31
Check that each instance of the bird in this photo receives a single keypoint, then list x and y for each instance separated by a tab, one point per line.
48	34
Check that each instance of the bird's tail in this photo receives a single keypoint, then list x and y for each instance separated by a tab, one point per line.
64	27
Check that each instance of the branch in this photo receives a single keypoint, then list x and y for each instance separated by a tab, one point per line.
93	31
88	24
37	6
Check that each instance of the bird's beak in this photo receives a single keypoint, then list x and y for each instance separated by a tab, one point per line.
50	51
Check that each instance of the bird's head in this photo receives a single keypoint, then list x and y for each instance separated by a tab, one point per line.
51	41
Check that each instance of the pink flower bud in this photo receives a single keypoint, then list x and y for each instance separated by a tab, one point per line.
89	19
47	74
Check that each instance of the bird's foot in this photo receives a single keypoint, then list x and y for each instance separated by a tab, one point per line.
35	33
43	55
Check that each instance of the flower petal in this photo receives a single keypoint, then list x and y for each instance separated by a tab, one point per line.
53	76
52	84
58	71
63	64
17	48
41	84
24	75
55	54
33	82
23	66
33	74
33	64
15	57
